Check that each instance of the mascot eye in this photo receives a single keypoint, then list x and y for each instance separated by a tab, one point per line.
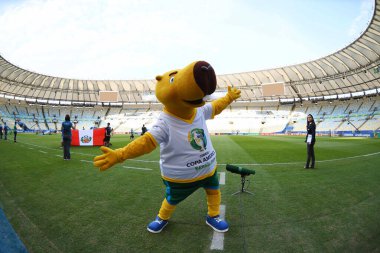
171	80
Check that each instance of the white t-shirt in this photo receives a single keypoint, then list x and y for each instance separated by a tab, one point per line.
186	151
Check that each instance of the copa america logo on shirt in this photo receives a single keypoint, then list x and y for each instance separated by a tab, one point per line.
86	139
197	139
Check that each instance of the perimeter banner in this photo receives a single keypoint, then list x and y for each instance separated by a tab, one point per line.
92	137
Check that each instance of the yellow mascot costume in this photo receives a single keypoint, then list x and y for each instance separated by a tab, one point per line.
187	157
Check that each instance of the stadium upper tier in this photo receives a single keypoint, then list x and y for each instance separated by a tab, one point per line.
352	69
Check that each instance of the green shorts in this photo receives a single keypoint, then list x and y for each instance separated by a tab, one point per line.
176	192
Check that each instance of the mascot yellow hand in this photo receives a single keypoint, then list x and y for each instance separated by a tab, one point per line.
220	104
233	93
141	146
107	160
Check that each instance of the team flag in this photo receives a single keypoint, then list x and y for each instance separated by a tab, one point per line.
92	137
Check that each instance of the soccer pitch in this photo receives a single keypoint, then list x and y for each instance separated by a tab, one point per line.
69	206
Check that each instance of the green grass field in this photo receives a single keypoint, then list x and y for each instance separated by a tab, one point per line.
69	206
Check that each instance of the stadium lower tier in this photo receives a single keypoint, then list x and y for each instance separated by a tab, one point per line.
339	117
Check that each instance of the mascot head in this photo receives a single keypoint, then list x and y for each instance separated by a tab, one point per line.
182	90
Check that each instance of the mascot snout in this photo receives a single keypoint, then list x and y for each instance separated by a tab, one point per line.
205	77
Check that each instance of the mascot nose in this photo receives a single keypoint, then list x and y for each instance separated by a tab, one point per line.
205	77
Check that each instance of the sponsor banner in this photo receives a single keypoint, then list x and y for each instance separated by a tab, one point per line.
357	134
93	137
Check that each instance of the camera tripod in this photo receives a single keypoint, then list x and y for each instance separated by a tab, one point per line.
243	189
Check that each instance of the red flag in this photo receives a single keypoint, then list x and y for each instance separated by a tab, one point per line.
93	137
99	135
74	138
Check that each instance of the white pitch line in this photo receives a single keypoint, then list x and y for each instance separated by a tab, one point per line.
240	164
127	167
144	161
43	152
85	154
56	149
86	161
222	177
59	155
275	164
318	161
218	238
135	168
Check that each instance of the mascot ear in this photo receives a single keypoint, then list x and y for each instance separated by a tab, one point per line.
158	78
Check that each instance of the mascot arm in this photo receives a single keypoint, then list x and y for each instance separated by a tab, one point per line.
220	104
143	145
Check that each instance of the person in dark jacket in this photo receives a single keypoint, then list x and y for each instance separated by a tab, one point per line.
1	132
66	137
5	131
107	137
310	141
143	130
15	132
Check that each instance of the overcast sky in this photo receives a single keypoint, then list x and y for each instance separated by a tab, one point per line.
139	39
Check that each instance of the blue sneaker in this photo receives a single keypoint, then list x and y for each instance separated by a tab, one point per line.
217	224
157	225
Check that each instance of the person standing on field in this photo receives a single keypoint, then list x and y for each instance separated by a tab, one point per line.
5	131
107	137
310	141
14	132
143	129
66	137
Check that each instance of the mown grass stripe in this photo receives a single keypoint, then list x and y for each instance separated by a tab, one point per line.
290	211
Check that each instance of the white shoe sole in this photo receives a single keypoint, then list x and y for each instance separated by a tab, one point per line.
217	230
156	232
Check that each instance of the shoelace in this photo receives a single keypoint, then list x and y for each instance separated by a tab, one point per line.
217	219
158	221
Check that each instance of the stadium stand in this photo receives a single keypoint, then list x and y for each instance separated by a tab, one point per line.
331	117
341	90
